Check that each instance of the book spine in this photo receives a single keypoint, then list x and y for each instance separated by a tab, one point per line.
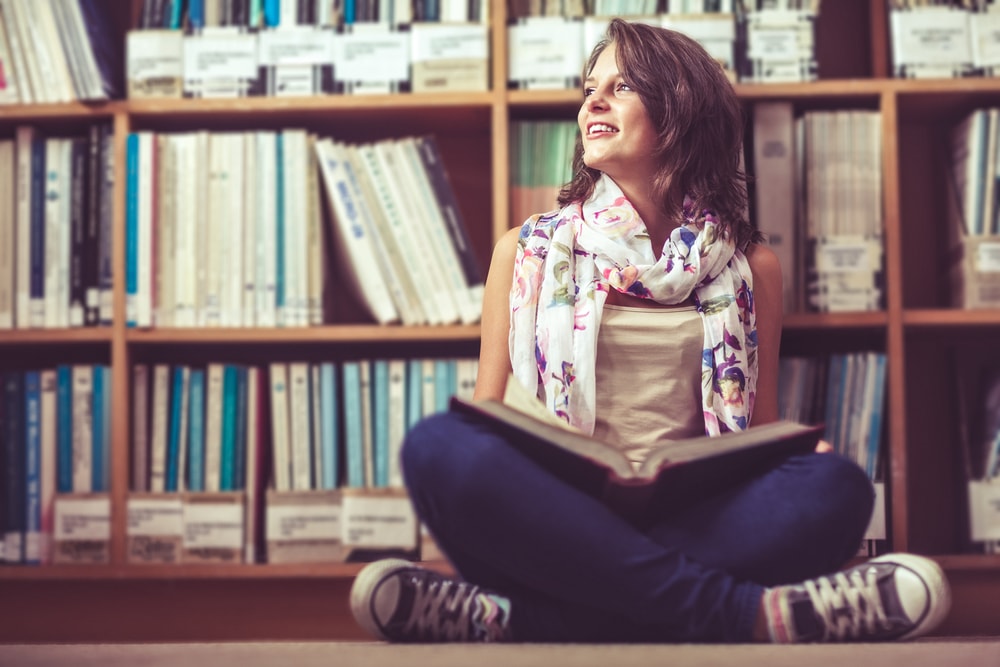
131	229
241	432
215	397
36	316
174	430
298	403
100	454
160	432
140	427
15	466
64	432
278	376
230	398
107	197
330	425
79	207
254	464
196	435
32	468
353	439
47	475
83	428
380	422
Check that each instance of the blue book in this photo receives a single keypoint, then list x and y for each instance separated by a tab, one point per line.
834	377
380	421
64	429
174	17
353	427
98	438
13	396
445	383
174	425
196	14
328	425
196	431
279	229
131	227
272	13
350	15
414	392
240	440
32	468
878	408
230	375
36	285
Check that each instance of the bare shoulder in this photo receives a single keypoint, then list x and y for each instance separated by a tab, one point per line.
506	247
763	263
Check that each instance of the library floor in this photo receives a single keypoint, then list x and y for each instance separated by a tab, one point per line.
934	652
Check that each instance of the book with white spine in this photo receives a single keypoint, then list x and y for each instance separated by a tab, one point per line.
83	445
159	431
299	405
266	223
8	223
165	243
353	237
248	305
25	137
214	381
278	382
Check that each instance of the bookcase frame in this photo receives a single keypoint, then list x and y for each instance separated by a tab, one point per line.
120	602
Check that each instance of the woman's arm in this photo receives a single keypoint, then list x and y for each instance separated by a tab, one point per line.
494	355
767	295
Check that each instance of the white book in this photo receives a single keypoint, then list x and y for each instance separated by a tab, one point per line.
185	148
47	473
15	67
9	93
295	187
314	245
231	298
248	305
422	236
159	433
466	297
404	268
203	226
265	218
300	424
140	427
55	236
145	229
25	137
214	380
218	241
165	234
466	369
83	441
428	403
352	238
59	75
37	60
8	228
252	472
397	418
367	423
281	454
316	425
91	73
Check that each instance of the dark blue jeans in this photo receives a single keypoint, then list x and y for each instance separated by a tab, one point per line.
576	572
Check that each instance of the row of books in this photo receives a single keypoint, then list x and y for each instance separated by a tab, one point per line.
55	228
57	51
541	153
780	43
818	198
844	391
975	152
56	434
294	426
944	38
196	14
978	393
226	229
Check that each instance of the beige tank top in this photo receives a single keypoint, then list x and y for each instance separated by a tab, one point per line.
648	377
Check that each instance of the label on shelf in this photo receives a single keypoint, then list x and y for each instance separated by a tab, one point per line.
988	257
303	523
220	56
545	49
876	527
154	63
984	510
930	36
79	519
985	39
439	41
213	525
149	517
845	255
299	45
372	56
372	519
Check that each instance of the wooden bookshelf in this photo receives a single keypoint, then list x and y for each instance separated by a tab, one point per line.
917	330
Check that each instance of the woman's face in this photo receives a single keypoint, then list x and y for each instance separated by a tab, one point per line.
618	136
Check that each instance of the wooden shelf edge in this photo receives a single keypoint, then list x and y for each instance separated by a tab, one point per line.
55	336
928	318
343	333
809	321
324	103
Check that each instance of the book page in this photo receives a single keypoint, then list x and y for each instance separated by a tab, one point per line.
518	397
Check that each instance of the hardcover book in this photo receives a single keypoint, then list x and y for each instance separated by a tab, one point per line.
677	472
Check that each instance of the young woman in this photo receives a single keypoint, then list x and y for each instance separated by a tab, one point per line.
642	309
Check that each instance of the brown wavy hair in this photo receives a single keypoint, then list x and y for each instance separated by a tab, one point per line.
700	120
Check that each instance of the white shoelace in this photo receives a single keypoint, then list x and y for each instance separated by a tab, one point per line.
443	609
857	594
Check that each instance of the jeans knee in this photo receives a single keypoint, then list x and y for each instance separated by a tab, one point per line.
425	448
844	485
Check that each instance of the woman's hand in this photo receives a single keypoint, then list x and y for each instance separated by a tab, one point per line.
823	447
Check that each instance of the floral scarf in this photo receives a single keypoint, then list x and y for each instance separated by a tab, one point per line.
567	260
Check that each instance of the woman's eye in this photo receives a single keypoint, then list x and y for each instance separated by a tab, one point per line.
587	92
624	86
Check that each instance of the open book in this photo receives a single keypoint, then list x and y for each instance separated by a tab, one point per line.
676	472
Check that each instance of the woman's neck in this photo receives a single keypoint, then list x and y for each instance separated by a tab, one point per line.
658	223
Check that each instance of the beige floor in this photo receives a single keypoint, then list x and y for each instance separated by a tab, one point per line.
971	652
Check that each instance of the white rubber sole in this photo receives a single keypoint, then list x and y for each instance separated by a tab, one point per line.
937	587
363	593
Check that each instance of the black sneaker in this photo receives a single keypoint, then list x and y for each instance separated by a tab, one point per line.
896	596
398	601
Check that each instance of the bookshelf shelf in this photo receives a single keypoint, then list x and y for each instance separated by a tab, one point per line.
809	321
63	110
55	336
950	318
326	334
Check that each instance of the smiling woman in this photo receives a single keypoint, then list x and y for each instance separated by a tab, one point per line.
651	221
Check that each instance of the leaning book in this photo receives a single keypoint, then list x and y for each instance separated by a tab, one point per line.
676	472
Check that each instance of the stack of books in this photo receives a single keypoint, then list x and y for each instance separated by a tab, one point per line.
940	39
780	41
